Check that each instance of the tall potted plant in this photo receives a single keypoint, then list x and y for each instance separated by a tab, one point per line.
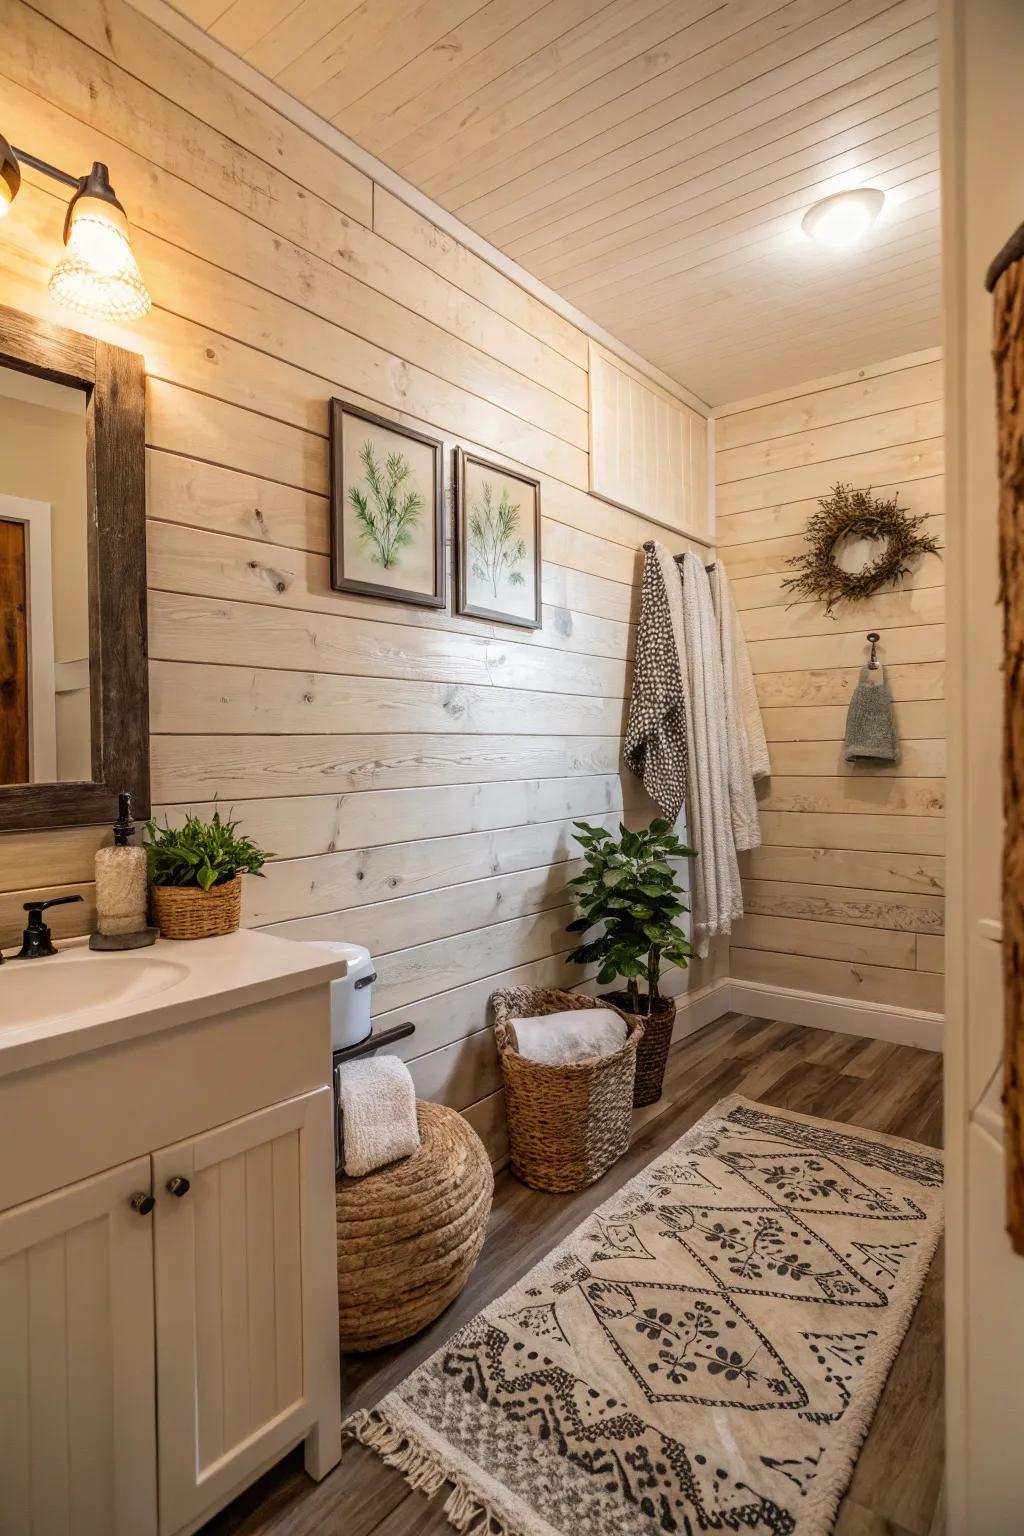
630	887
195	871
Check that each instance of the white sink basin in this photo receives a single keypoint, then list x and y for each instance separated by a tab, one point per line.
85	1000
77	980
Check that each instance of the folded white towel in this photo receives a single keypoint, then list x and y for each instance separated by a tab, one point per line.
578	1034
377	1104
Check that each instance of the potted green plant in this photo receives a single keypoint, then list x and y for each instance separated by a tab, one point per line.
630	887
195	872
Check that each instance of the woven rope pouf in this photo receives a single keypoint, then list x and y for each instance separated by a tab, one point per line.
409	1234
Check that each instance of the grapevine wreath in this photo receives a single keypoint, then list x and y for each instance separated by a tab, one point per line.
856	514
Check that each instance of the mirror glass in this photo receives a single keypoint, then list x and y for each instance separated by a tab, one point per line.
45	731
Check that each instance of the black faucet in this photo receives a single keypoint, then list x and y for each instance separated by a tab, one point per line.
36	941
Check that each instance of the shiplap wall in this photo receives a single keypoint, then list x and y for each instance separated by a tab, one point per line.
415	774
846	895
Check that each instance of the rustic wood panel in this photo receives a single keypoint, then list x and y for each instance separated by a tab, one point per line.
415	773
857	794
250	766
791	517
918	720
834	685
918	759
861	868
846	895
840	978
841	904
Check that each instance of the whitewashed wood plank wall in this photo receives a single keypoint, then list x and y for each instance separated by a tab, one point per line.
415	774
846	895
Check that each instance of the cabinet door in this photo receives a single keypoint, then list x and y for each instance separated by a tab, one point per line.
77	1406
246	1301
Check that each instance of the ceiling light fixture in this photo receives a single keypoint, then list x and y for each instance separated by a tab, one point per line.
98	274
843	219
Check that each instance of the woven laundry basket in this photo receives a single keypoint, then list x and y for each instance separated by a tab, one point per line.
568	1124
409	1234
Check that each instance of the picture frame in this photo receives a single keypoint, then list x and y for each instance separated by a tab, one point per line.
497	539
386	508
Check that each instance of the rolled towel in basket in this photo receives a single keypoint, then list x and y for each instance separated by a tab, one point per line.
377	1105
578	1034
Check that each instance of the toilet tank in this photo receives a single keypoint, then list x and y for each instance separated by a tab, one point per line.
351	994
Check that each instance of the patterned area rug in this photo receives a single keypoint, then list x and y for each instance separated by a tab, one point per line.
704	1353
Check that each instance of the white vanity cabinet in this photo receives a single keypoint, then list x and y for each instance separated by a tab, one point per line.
169	1323
239	1376
77	1396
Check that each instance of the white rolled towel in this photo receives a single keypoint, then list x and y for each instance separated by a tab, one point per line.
578	1034
377	1104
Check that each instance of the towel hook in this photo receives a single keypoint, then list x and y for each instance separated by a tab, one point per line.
873	663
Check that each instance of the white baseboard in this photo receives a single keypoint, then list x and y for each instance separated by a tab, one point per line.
695	1009
846	1016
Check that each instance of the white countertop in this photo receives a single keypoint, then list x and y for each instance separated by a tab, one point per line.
203	977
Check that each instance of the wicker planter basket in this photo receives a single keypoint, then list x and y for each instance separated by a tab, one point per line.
409	1234
653	1052
187	912
567	1125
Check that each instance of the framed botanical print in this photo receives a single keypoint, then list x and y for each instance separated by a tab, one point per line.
387	509
497	542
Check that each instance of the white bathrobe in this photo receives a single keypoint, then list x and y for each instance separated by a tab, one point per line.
746	825
716	891
750	708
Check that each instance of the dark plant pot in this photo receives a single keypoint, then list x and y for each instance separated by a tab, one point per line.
653	1050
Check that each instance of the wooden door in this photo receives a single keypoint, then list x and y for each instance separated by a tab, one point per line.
246	1302
14	680
77	1403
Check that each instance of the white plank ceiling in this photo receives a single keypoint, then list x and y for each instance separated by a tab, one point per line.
649	161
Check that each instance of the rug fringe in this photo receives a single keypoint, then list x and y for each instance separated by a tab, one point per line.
466	1509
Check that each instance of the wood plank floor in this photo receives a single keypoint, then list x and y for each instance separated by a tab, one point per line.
896	1486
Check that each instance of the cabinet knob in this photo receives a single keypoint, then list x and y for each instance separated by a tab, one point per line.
142	1202
179	1185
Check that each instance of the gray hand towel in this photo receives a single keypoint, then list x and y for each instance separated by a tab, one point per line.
870	727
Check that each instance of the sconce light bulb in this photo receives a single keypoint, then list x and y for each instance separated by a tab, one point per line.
98	274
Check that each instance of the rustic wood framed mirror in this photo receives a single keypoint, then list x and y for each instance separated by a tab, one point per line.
74	695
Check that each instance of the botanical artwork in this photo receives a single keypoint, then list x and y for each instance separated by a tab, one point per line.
702	1354
386	509
498	528
497	551
387	506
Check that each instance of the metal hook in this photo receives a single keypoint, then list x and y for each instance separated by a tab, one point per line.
873	662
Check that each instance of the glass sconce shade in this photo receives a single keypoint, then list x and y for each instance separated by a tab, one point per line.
98	274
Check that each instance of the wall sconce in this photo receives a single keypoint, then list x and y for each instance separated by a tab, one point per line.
98	274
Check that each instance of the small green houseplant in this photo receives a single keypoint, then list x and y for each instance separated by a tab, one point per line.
630	887
195	871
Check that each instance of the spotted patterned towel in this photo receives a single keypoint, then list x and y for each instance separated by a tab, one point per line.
704	1353
655	744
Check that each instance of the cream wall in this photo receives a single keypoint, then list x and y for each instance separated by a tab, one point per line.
43	458
416	774
845	898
